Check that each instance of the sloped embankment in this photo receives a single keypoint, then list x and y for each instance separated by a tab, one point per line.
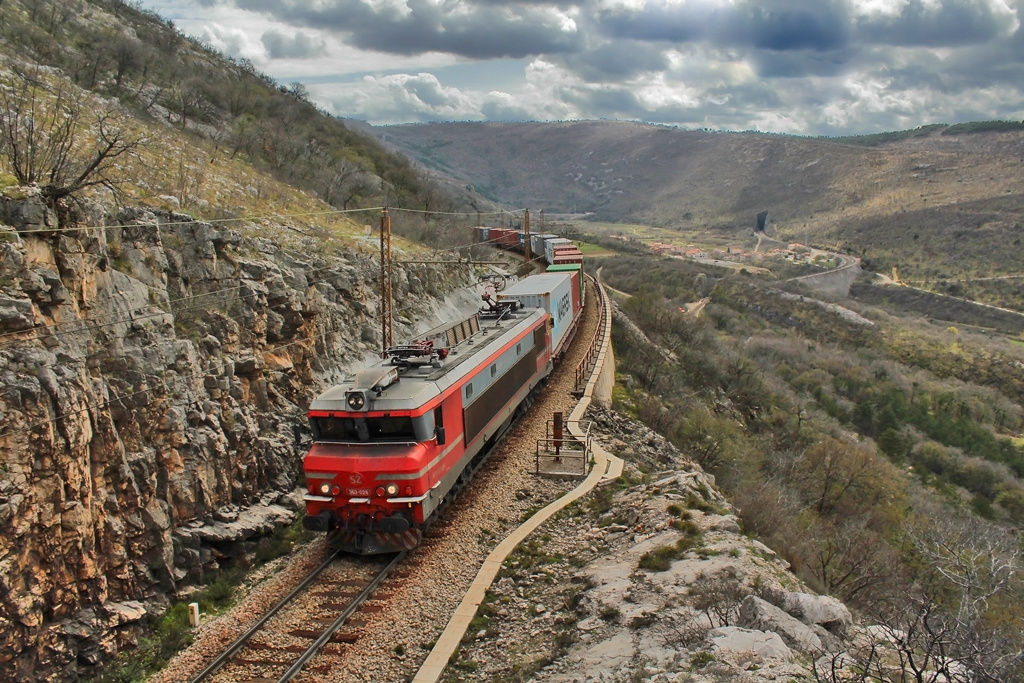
651	581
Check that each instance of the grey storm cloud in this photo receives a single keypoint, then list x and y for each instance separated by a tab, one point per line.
579	33
803	63
608	102
299	46
475	30
617	61
772	25
952	23
823	26
799	65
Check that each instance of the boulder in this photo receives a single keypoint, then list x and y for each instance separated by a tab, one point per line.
739	640
125	612
15	314
759	614
250	522
822	610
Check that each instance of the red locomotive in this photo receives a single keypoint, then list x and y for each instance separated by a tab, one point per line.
392	442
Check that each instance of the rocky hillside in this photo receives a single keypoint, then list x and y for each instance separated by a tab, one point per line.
651	581
155	375
132	58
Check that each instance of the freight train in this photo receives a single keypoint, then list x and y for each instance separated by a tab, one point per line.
394	442
552	249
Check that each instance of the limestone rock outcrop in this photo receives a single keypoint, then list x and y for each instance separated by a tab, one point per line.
759	614
660	585
155	371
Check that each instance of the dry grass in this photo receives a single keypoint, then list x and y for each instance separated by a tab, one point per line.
177	171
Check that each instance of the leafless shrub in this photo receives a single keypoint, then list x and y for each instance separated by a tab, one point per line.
684	631
959	621
718	597
46	137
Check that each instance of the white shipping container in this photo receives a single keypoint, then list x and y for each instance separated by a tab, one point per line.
549	247
553	293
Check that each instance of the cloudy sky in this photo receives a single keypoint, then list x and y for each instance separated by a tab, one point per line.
817	67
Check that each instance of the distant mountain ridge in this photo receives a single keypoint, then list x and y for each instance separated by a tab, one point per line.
960	193
624	171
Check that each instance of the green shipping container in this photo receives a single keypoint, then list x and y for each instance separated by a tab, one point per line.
567	268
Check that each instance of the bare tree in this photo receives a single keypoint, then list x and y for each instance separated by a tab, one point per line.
46	138
981	565
836	474
958	623
718	597
849	558
128	56
344	181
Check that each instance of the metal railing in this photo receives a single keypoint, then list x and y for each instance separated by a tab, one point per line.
586	365
562	454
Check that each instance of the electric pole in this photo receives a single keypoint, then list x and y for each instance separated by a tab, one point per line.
526	236
386	299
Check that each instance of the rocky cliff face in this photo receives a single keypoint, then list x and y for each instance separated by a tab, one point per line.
155	371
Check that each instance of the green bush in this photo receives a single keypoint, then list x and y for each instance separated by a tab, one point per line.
700	659
659	559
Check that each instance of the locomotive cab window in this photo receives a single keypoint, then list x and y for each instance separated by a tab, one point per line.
364	429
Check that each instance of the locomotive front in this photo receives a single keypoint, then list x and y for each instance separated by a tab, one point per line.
397	440
368	471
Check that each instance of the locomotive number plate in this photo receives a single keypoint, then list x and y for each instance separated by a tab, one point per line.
358	493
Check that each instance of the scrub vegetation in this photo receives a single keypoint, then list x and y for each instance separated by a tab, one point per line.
104	96
883	461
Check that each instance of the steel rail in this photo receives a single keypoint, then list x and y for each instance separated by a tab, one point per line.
233	649
315	648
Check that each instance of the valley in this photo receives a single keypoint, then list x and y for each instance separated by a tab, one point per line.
189	255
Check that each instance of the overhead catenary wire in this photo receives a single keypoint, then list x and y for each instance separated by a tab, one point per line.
257	219
237	219
17	338
121	398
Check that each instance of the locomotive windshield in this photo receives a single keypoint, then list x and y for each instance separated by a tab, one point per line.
400	428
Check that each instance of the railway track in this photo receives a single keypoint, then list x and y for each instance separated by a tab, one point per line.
304	625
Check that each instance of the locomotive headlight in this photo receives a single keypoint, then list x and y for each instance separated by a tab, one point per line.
325	488
355	400
392	489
